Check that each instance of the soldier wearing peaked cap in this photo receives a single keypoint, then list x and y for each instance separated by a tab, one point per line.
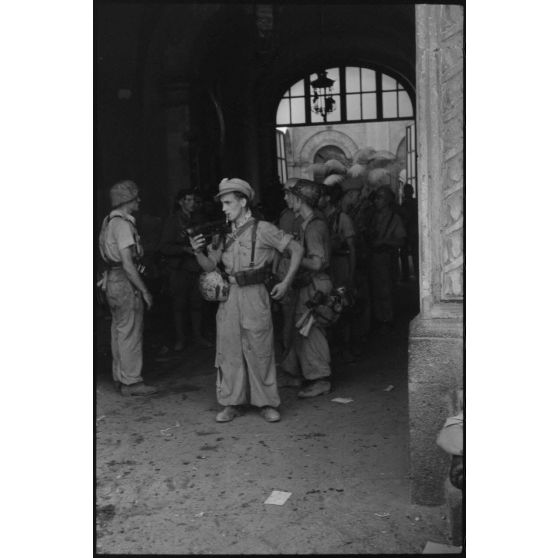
245	358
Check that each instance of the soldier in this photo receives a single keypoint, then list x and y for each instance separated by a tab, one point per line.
184	270
245	358
120	248
387	236
309	356
343	258
358	206
289	223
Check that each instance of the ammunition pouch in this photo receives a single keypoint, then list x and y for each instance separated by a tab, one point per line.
261	275
251	276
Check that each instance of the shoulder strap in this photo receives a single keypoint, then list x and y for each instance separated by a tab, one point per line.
335	228
254	229
237	233
314	218
388	224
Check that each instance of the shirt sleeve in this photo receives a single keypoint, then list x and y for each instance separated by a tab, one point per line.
317	241
215	250
123	234
272	237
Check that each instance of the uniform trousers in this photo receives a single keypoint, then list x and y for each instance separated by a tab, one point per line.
245	357
126	307
309	355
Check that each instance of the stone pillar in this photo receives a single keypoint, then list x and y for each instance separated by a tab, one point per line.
436	334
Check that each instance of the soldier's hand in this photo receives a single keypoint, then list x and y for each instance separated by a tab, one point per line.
146	295
197	242
278	292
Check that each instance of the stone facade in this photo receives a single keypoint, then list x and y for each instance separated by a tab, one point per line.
306	141
436	334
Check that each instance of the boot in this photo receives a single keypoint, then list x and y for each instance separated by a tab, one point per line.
318	387
270	414
137	389
227	414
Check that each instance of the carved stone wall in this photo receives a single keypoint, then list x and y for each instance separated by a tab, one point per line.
451	47
436	334
440	156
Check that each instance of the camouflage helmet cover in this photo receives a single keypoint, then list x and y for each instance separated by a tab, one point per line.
213	286
309	192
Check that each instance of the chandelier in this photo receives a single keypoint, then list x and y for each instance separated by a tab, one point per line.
322	101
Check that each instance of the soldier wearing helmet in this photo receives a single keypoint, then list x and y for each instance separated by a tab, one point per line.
125	290
308	358
245	358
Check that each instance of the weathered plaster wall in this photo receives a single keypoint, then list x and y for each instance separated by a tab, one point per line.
436	334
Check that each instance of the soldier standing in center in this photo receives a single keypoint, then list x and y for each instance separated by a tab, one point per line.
245	358
310	355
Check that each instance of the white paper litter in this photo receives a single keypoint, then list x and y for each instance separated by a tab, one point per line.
278	497
167	431
342	400
389	388
437	548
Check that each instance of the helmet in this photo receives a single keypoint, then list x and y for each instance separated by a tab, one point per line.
308	191
123	192
213	286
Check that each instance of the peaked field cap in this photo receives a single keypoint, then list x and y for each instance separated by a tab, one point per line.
230	185
123	192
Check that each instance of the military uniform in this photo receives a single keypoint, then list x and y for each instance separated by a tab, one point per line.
289	223
245	358
183	270
310	355
118	231
385	225
341	229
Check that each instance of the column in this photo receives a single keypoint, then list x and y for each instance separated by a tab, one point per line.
436	334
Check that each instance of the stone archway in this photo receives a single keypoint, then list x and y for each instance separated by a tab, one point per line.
328	137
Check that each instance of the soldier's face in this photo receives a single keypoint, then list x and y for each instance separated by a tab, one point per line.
380	200
288	197
187	203
296	204
232	206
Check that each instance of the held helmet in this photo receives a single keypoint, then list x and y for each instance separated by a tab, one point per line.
213	286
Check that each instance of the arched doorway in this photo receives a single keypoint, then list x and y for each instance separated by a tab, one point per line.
371	107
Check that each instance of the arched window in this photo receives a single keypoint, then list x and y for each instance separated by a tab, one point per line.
356	95
328	152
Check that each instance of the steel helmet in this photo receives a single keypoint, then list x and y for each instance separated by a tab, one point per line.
213	286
